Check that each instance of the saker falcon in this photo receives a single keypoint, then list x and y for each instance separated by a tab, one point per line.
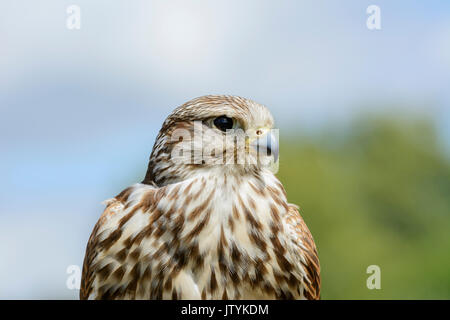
209	221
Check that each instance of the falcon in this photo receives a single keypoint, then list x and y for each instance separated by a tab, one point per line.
209	221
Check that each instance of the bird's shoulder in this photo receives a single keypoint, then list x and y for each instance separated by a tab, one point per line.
304	242
128	206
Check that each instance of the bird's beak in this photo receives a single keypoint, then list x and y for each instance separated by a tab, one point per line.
266	144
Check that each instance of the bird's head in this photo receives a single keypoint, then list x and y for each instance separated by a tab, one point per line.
229	134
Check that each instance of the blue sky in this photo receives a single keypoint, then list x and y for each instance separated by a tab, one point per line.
80	108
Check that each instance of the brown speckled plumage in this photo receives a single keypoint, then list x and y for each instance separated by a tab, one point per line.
204	230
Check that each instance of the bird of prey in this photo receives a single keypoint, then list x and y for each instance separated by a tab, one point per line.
205	223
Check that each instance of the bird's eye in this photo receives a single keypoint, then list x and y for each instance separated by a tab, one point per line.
223	123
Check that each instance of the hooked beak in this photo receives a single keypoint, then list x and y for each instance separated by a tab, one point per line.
266	144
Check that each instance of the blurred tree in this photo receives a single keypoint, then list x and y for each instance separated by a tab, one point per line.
377	193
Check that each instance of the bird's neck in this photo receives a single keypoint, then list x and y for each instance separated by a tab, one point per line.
163	171
243	209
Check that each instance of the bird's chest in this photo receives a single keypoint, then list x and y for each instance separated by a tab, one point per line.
240	241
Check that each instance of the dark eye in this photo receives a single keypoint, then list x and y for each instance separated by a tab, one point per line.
223	123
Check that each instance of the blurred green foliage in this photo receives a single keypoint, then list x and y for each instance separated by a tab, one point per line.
375	193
